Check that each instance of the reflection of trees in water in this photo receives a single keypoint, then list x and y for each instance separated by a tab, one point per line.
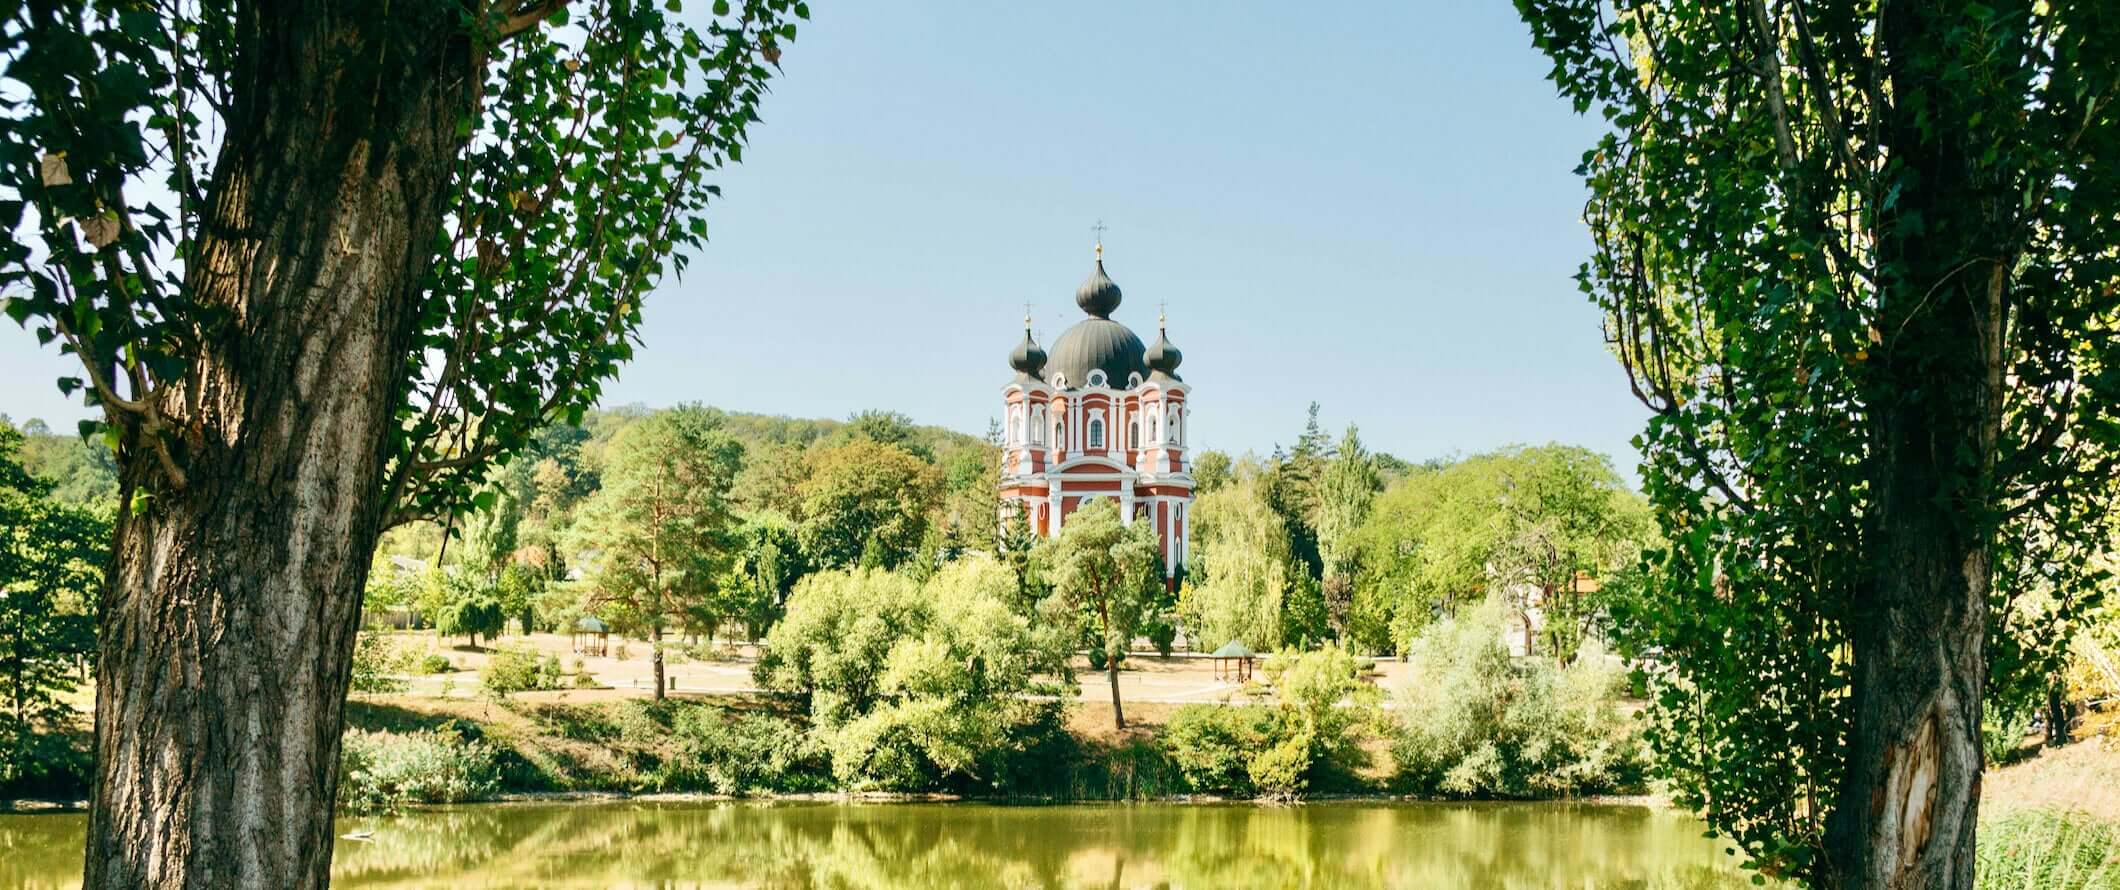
41	851
971	845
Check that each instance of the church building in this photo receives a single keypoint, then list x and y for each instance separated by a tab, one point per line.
1101	416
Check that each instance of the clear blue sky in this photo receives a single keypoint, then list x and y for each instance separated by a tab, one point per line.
1373	211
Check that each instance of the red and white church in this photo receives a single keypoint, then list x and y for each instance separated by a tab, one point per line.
1101	416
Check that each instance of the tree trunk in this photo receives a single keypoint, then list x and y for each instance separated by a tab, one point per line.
1908	805
1111	671
655	635
227	627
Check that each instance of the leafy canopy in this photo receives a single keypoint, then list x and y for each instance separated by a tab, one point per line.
582	178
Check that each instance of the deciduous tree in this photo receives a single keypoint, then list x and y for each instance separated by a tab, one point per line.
1112	572
323	264
1857	259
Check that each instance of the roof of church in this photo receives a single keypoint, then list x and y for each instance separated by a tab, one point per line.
1097	342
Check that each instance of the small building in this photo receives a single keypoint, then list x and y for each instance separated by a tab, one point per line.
1233	661
591	636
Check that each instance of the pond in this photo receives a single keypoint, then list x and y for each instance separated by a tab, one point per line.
837	845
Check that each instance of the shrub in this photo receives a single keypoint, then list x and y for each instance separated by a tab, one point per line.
737	754
433	663
1212	745
909	686
517	670
375	662
380	771
1279	771
1474	724
2048	851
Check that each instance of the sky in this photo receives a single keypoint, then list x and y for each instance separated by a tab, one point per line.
1373	210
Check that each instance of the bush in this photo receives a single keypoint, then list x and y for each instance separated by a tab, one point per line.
433	663
381	772
1474	724
738	754
1212	745
375	662
2048	851
517	670
910	686
1311	734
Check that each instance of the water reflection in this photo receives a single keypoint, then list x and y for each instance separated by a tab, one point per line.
805	845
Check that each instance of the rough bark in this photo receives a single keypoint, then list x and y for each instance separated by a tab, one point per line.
228	624
1909	802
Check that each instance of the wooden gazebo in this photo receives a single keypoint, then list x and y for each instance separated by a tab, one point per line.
1233	661
591	636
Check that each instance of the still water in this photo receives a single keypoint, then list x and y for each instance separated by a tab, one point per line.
826	845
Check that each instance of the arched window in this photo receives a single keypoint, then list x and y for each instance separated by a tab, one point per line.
1060	434
1133	435
1177	428
1096	433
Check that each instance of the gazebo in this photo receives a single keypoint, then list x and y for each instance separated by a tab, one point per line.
591	636
1233	661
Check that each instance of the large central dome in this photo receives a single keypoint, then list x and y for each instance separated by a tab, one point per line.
1097	343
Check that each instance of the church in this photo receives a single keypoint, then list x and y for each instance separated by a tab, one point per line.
1101	416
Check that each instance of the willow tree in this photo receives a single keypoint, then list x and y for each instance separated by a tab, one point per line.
324	264
1858	259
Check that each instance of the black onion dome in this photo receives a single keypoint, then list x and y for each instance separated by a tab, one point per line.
1098	295
1164	357
1097	344
1027	357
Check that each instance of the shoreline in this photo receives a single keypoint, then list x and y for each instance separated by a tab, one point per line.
37	806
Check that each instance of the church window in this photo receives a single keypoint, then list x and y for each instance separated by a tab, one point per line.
1133	435
1096	433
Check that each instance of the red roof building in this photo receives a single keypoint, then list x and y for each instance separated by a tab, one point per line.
1102	416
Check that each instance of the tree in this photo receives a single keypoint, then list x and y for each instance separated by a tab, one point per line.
324	263
912	683
1350	485
768	562
1210	470
1112	573
661	526
1857	260
51	570
886	428
1240	568
866	503
476	615
1520	523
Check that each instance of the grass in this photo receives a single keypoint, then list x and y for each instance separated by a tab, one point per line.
2048	850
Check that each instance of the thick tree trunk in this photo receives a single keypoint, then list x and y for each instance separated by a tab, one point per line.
1908	805
228	625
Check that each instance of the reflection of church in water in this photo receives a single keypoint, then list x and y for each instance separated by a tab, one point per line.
1100	416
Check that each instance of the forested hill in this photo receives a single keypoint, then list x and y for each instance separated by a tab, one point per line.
82	471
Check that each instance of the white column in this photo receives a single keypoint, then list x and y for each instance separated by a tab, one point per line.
1053	498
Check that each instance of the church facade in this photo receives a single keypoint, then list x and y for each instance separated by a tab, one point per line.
1101	416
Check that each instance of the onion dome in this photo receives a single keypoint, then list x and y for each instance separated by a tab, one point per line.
1027	358
1163	357
1098	295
